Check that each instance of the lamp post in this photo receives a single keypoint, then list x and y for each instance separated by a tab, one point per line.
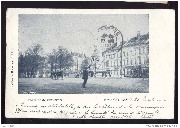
77	64
121	45
75	67
95	58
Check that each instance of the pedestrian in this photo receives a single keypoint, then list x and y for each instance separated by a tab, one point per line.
85	77
143	74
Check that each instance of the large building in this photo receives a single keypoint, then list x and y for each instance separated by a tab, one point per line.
134	56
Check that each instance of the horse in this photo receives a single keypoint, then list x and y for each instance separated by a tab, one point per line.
57	75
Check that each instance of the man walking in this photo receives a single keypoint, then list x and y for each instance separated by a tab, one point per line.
85	77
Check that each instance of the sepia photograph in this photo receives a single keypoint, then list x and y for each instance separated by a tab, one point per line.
83	53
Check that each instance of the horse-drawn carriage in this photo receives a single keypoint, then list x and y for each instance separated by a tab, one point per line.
57	74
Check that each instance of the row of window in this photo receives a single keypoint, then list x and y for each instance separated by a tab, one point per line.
136	61
107	45
143	50
132	62
112	56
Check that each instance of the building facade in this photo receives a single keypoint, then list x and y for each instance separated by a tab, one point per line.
135	58
135	62
111	41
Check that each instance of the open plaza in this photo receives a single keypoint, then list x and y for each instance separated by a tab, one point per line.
74	85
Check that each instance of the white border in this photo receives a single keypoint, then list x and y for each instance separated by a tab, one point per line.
162	55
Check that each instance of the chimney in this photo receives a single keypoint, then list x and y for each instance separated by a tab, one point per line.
138	35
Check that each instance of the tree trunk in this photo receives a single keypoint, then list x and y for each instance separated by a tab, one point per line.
51	67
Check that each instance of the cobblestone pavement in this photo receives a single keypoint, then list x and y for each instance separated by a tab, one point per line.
74	86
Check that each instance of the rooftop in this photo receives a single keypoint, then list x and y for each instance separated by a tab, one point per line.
141	39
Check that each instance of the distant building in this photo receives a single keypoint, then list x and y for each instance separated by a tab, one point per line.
78	58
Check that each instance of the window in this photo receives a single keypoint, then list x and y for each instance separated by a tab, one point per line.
144	60
147	49
119	62
119	54
102	40
143	50
123	53
131	62
147	60
131	53
139	60
139	51
107	63
135	61
127	62
113	63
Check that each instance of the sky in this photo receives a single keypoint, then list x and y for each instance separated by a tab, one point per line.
76	32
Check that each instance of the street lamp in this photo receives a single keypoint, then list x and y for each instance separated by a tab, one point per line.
76	62
95	58
117	33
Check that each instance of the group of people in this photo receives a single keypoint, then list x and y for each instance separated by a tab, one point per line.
85	74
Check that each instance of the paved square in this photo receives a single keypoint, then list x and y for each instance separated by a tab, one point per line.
74	86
